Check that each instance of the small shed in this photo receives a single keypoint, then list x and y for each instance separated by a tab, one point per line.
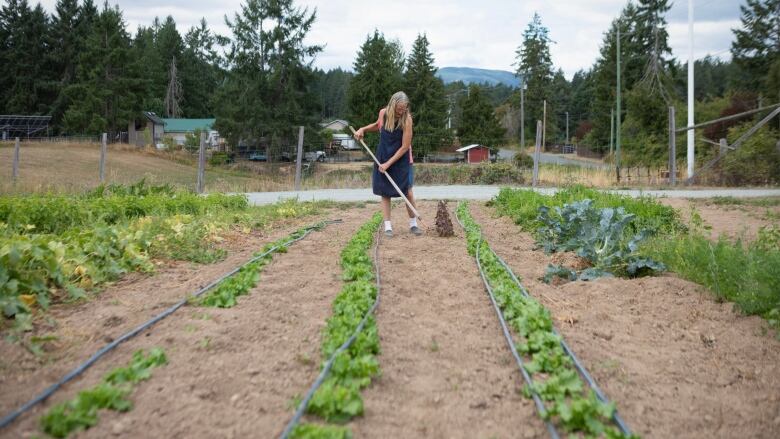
476	153
148	130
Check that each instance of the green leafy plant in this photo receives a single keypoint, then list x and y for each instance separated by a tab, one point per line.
554	377
598	235
338	399
81	412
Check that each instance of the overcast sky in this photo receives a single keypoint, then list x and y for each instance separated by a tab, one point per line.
462	33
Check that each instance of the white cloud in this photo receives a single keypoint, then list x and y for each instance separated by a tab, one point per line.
462	33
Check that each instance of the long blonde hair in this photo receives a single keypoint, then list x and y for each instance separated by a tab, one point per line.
390	121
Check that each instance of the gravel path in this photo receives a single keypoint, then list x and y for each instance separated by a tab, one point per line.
462	192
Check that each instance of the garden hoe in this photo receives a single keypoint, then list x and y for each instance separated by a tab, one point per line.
417	214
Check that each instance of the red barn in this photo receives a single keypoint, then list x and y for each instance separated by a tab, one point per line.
476	153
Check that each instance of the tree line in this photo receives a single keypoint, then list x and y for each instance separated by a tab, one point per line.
80	65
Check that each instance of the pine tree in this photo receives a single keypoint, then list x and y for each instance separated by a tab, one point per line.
426	95
378	74
200	71
535	66
68	33
478	122
23	70
269	89
757	46
108	93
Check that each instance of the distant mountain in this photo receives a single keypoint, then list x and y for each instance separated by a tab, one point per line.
478	76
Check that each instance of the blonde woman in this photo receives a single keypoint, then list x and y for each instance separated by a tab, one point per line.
394	153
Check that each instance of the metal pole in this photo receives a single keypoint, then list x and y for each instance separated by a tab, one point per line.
202	164
672	148
537	152
691	158
299	159
611	129
522	116
617	120
544	124
16	161
103	159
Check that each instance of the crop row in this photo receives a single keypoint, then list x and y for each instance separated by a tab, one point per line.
81	412
338	399
569	403
55	248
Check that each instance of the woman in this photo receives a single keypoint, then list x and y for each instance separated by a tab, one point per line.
394	155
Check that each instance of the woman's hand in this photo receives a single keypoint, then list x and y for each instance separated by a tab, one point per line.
359	134
383	167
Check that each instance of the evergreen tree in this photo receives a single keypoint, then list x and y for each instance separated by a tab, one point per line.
756	49
332	88
108	92
535	66
378	74
426	95
200	71
268	92
478	122
23	65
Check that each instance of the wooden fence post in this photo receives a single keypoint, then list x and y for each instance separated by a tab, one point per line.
103	159
537	152
202	164
299	159
16	161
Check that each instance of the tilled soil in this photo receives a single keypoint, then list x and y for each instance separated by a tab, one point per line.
446	369
678	364
231	372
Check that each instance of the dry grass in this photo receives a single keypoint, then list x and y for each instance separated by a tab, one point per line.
73	167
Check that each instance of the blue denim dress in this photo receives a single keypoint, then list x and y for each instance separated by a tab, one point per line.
389	144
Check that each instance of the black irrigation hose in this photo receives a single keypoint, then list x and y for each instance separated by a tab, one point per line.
584	372
326	369
511	343
8	419
580	368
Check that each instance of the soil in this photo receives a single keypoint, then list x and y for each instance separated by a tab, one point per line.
446	369
731	221
677	363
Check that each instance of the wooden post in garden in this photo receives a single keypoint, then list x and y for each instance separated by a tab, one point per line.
16	161
299	159
202	164
544	125
724	146
103	159
537	152
672	149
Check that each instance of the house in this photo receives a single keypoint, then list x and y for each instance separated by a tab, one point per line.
335	125
476	153
178	129
149	129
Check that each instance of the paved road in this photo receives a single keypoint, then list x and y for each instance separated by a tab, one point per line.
555	159
457	192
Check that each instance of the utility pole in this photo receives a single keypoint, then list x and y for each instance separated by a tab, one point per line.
690	90
611	128
544	125
617	124
522	114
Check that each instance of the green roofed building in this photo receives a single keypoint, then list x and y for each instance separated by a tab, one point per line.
177	129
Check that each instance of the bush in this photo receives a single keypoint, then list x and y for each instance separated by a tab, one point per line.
756	162
219	158
485	173
522	160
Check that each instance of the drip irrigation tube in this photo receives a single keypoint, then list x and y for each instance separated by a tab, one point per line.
580	368
326	369
8	419
584	372
511	343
